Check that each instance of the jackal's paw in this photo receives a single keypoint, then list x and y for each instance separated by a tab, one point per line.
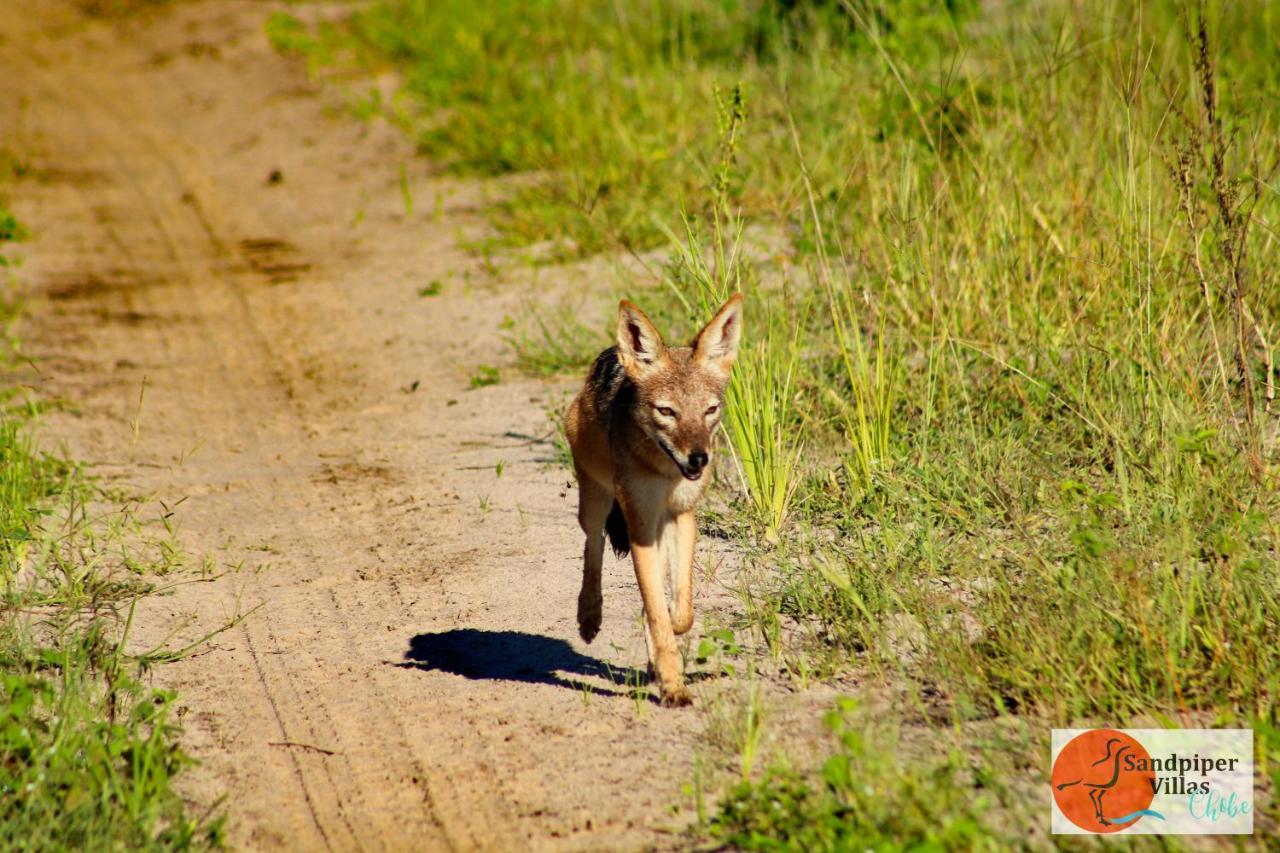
676	697
589	618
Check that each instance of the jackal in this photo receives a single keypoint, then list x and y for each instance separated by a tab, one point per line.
640	430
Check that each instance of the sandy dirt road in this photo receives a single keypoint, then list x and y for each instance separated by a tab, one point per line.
256	350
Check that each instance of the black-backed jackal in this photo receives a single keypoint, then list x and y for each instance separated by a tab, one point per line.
641	431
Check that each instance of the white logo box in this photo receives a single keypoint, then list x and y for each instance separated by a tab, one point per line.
1227	808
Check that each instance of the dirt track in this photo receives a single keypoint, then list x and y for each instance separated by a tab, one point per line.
413	678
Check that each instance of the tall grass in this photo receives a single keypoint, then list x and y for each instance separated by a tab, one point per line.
865	412
759	419
88	753
867	416
614	99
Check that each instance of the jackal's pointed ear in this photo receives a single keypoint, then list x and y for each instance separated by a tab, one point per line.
639	345
717	343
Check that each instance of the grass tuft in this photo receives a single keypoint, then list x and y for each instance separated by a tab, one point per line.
866	797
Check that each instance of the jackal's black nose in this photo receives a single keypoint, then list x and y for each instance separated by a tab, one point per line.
697	460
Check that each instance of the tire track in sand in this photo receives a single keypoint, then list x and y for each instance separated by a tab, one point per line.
121	136
275	403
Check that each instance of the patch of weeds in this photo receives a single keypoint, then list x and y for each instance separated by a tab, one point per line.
548	342
485	375
432	288
562	456
868	796
736	725
289	35
719	644
11	229
88	752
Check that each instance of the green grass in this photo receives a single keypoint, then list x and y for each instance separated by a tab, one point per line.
1003	423
88	751
552	340
866	797
485	375
765	440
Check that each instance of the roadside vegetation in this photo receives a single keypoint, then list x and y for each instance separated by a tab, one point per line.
88	751
1004	435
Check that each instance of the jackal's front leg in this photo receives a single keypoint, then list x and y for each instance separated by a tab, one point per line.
686	534
664	657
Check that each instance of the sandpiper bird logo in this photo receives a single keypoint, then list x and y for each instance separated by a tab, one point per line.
1100	782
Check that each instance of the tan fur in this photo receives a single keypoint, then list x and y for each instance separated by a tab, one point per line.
641	432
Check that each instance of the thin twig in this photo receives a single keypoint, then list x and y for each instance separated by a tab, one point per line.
318	749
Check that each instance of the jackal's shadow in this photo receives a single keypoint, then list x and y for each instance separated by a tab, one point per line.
516	656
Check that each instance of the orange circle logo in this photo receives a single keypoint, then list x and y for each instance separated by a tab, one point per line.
1102	781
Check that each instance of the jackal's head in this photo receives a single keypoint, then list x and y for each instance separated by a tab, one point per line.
680	390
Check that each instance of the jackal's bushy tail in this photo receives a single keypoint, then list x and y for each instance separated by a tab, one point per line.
616	526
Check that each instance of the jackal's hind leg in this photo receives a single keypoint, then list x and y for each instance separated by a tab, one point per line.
594	502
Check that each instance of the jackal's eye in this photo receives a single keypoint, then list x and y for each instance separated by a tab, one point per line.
666	412
714	408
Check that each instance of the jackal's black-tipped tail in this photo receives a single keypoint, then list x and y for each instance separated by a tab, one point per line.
616	526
